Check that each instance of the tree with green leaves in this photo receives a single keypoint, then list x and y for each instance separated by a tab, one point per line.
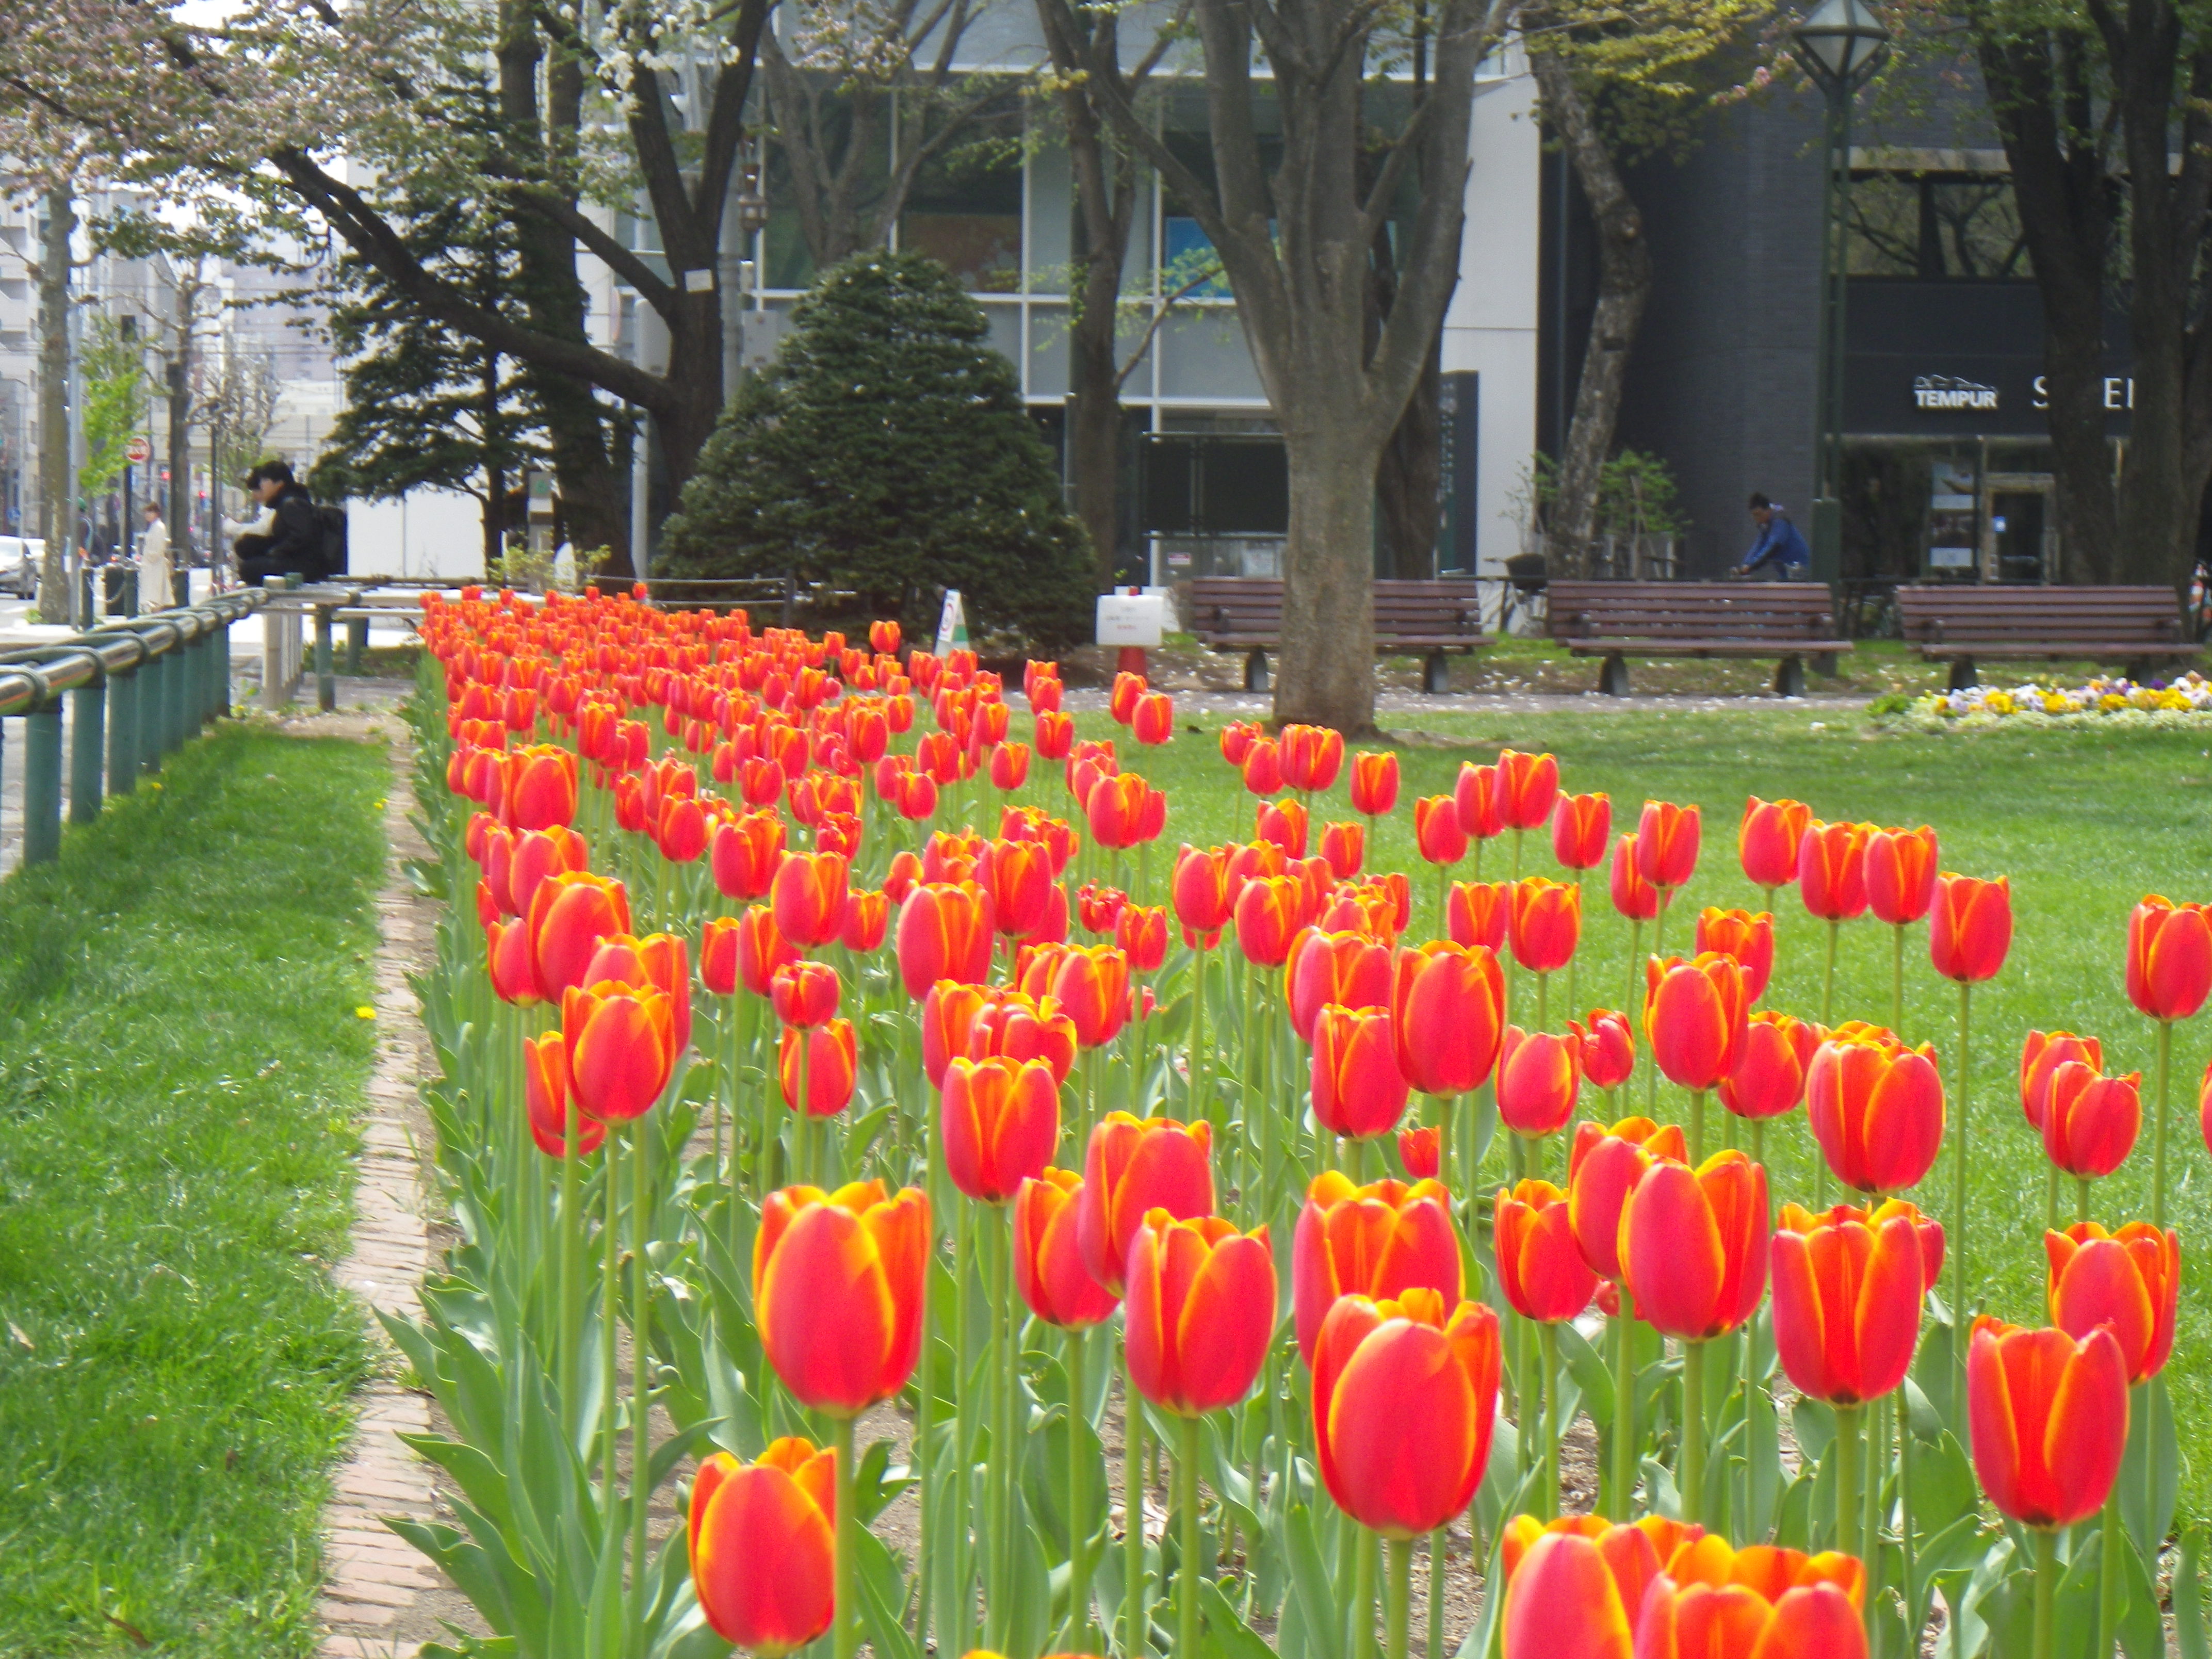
886	450
112	367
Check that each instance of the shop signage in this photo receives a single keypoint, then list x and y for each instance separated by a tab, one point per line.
1952	392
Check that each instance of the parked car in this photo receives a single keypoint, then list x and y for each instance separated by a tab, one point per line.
20	559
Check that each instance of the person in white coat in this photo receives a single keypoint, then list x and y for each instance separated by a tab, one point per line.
155	592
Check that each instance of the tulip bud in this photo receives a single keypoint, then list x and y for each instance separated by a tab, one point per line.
1131	1167
804	993
1451	1017
1374	782
1528	786
1602	1167
1875	1107
1001	1121
621	1047
763	1547
1540	1268
1847	1299
1666	844
1344	846
1768	1077
2041	1055
1477	800
1049	1269
2049	1417
1357	1088
1768	840
1582	829
1969	929
1421	1152
1749	938
1608	1048
1544	923
1345	968
837	1290
1832	870
2128	1283
2090	1122
1479	912
831	1059
1436	831
1634	899
1900	870
1694	1016
1539	1079
1694	1245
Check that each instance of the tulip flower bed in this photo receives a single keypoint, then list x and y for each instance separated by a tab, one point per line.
182	1063
2185	700
827	1027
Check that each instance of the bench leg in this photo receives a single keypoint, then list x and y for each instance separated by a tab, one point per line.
1824	664
1255	670
1790	678
2140	670
1612	677
1436	675
1963	676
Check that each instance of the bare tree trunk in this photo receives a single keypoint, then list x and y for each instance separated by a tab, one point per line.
1624	285
1409	482
56	496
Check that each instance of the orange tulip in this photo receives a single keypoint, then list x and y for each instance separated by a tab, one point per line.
1311	756
1476	796
1200	888
1140	933
1262	766
764	1546
1344	846
837	1290
1603	1167
1018	876
808	896
950	1011
539	855
1749	938
1268	917
1970	930
1374	782
1153	719
832	1066
1581	830
508	958
2090	1122
2169	958
1479	912
621	1047
804	993
1540	1267
1021	1029
1768	1077
1131	1167
2049	1418
1832	870
1357	1088
1634	898
1091	984
1767	840
1608	1048
1378	1241
1546	922
1820	1619
1010	766
1901	874
541	787
1436	831
1001	1123
1049	1266
1694	1016
1421	1150
867	920
548	1098
1199	1311
945	931
1694	1245
1847	1297
2041	1055
2127	1282
762	950
1877	1108
1405	1403
1666	844
1284	823
569	915
681	832
1540	1075
1451	1017
1346	968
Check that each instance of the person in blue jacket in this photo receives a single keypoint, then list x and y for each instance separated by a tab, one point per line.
1778	553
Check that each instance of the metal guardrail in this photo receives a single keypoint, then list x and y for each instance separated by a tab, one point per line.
139	687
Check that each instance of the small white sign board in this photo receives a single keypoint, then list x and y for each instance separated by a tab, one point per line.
1131	618
952	623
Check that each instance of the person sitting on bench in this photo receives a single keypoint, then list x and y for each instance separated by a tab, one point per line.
293	545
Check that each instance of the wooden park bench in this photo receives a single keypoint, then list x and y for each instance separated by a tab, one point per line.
2137	627
1615	620
1423	618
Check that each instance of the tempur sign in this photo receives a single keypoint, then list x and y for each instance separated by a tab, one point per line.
1947	391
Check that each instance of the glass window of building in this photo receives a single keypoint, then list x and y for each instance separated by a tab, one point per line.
966	208
1936	227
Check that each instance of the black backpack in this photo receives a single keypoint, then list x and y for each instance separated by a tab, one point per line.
331	521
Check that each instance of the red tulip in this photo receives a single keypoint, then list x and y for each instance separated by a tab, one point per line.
2090	1122
1540	1076
1540	1267
1901	874
1666	844
837	1290
1200	888
682	830
569	915
1694	1016
621	1047
1344	846
1010	766
1728	1619
1421	1152
1405	1403
1608	1048
1018	876
832	1066
1153	719
1832	870
808	897
761	950
1121	702
867	920
1140	933
1283	823
1436	831
1311	756
541	787
1749	938
1124	810
2041	1055
1477	797
1199	1311
1970	929
540	854
1847	1297
1001	1123
1268	913
1056	734
804	993
1346	968
1694	1245
1374	782
1018	1028
905	870
1479	912
950	1010
1875	1107
1049	1269
2049	1416
1237	738
2169	958
1357	1088
1263	766
548	1099
764	1547
1092	985
1582	829
513	967
661	961
2128	1283
945	931
1634	898
1378	1241
1545	923
1768	840
1602	1168
1769	1076
1131	1167
1451	1005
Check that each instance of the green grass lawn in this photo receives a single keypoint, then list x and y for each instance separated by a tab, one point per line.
180	1067
2084	823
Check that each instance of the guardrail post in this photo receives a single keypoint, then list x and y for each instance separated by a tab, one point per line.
197	662
88	734
42	782
356	643
174	726
327	684
123	731
223	666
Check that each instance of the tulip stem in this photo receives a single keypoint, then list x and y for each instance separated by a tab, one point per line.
2050	1198
845	1638
1828	975
1079	1504
1632	1003
1187	1479
1136	1615
1196	1100
641	1387
1362	1610
1439	1549
1897	979
572	1267
1875	1449
1400	1593
1575	961
1958	1240
1548	1335
962	1614
1912	1585
2080	1198
2158	1129
2046	1586
1543	1001
997	1597
610	1310
1624	1411
1691	1488
1697	1126
1848	1451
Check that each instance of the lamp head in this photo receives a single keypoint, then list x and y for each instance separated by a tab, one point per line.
1840	44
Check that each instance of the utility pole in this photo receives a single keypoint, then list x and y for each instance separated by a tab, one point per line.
57	500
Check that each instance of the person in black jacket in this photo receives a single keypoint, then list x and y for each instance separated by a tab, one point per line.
294	546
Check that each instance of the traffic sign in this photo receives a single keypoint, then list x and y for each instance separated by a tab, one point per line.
139	451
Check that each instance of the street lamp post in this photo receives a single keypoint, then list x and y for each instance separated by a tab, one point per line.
1839	46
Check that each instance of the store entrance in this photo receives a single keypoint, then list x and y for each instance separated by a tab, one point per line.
2021	532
